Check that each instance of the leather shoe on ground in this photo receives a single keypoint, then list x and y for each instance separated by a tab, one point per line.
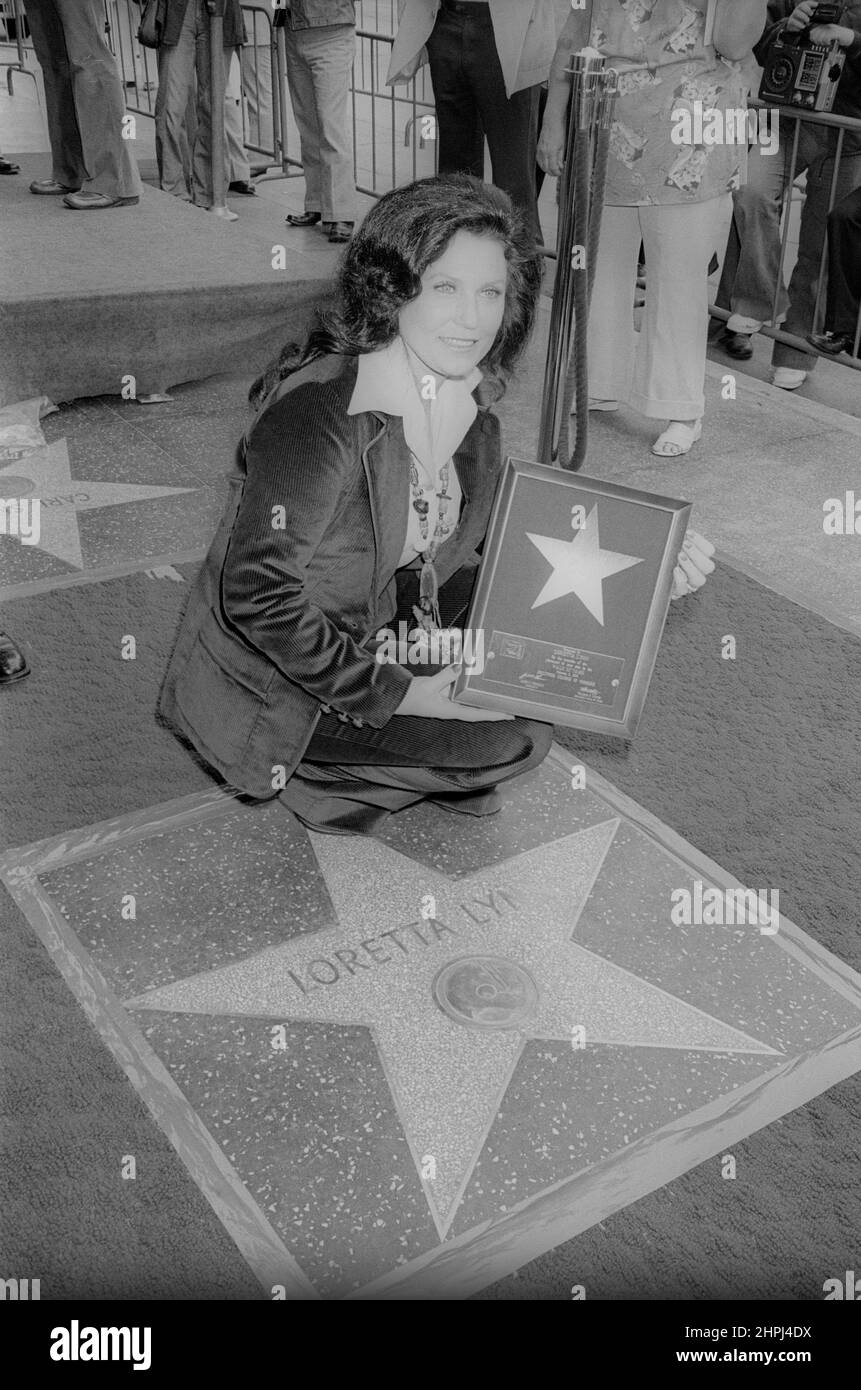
736	344
86	202
49	187
7	167
13	663
304	219
832	342
340	231
242	186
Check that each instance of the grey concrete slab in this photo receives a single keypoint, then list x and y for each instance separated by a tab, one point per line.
758	479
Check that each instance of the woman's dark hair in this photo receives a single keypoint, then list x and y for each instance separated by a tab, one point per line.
381	271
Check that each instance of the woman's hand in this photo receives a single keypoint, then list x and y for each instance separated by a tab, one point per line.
693	564
428	697
551	147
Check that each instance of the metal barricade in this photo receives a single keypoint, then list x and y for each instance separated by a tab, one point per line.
396	119
138	65
842	124
399	120
12	19
379	111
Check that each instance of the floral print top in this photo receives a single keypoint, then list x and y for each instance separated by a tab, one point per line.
666	69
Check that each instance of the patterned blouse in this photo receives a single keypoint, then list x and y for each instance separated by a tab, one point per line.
667	70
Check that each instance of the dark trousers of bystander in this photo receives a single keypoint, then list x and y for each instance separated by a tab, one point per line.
471	104
844	265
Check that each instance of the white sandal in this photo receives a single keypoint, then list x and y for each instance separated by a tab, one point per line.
678	438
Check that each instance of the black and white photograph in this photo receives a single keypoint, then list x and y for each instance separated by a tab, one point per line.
430	669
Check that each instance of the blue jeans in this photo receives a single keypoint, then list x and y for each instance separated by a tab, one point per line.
176	69
750	269
319	63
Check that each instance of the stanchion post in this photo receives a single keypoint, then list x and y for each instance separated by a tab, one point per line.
557	341
280	97
574	189
581	191
215	9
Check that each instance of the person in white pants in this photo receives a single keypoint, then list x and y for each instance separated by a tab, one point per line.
671	193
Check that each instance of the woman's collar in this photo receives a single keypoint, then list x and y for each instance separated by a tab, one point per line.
384	382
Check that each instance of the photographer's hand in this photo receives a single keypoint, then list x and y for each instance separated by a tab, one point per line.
429	698
801	16
831	33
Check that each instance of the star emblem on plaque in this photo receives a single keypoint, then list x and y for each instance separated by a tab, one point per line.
571	598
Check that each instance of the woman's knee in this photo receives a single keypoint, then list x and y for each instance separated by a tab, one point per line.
538	738
521	743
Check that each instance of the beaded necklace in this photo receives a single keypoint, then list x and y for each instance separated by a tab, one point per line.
428	613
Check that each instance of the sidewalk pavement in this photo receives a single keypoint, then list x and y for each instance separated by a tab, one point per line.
759	478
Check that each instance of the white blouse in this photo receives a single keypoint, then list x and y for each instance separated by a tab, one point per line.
385	382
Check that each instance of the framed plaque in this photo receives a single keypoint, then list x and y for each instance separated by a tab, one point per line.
570	599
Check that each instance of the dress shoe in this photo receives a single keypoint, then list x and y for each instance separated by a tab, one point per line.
304	219
340	231
50	187
736	345
242	186
7	167
13	663
86	202
832	343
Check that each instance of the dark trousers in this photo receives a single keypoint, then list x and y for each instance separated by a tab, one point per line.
752	257
83	96
350	780
471	104
844	265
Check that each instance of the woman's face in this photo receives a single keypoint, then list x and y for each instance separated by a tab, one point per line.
452	324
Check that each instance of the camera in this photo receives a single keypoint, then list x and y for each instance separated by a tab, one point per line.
825	14
800	73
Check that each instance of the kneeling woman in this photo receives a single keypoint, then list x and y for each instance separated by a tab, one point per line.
375	459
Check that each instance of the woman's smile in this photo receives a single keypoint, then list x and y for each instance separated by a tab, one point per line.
453	323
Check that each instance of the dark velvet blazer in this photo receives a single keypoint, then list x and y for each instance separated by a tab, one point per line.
301	574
